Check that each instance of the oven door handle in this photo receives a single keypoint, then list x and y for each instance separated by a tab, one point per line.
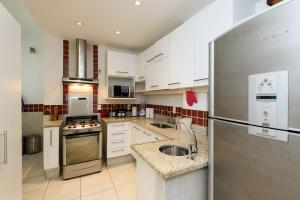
82	135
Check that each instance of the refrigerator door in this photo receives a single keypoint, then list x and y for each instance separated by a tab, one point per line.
267	43
248	167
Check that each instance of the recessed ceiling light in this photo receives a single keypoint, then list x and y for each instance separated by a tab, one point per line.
79	23
118	32
137	3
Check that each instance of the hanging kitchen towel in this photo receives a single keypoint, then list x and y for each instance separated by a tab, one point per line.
191	98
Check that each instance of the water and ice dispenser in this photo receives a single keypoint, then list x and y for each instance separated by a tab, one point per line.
268	105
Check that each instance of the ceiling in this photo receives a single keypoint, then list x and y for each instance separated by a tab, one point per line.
139	26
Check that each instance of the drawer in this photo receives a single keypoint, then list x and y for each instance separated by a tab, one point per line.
120	151
118	126
112	144
115	135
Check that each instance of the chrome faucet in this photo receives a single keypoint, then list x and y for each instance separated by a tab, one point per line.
194	147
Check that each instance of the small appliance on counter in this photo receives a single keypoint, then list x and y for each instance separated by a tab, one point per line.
120	113
134	111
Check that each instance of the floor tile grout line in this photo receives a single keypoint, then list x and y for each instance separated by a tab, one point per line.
115	188
46	189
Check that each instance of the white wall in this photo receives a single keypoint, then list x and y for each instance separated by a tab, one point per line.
52	61
32	69
178	100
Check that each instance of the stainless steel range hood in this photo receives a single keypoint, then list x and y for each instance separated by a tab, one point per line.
81	65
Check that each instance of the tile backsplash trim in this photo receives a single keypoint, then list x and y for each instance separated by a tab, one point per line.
198	116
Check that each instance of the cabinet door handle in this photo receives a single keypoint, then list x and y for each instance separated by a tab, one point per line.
141	77
176	83
121	72
147	133
50	137
200	79
158	55
153	86
118	133
137	128
156	138
5	148
118	142
114	151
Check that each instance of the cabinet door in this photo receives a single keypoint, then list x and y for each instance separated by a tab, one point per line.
182	56
162	48
157	75
140	68
149	55
147	136
207	30
51	148
135	135
121	64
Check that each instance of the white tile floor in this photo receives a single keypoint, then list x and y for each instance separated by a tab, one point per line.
114	183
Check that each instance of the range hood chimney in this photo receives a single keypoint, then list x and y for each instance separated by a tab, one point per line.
81	65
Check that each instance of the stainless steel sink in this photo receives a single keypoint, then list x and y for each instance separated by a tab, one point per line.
161	125
173	150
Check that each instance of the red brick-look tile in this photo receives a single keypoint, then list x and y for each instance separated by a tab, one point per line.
95	61
65	110
95	98
33	108
65	58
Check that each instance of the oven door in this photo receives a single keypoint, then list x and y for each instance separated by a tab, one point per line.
81	148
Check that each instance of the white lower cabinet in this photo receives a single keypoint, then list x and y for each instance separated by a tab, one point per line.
51	149
118	139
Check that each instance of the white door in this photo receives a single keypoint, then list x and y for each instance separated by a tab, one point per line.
10	106
208	30
181	68
157	75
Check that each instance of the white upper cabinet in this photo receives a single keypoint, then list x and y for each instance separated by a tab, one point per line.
157	65
158	51
140	68
210	22
121	64
181	56
157	75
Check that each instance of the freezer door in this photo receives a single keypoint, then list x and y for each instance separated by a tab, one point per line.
247	167
267	43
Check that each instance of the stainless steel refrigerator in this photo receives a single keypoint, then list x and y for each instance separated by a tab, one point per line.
254	110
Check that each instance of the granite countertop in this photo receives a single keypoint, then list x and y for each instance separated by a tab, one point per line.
49	124
169	166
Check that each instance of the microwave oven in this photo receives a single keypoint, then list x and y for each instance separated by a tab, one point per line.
119	91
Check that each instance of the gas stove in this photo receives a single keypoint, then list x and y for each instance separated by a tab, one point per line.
81	124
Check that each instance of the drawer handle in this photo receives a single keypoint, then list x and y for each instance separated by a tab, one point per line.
147	133
117	125
141	77
114	151
118	133
200	79
137	128
156	138
177	83
118	142
5	148
120	72
153	86
51	138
